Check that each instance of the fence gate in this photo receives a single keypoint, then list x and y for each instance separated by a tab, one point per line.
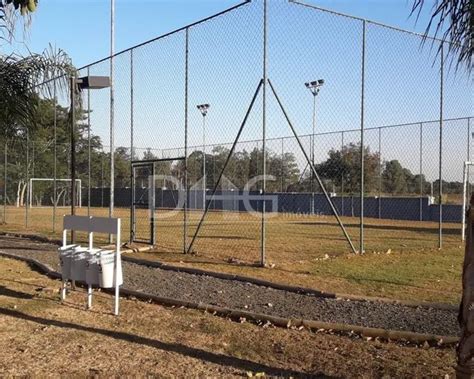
142	203
158	199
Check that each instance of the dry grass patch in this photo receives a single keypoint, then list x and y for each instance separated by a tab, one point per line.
41	337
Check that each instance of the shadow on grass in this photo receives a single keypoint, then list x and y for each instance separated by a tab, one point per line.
31	284
4	291
216	358
224	237
421	229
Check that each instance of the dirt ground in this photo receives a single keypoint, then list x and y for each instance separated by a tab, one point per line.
42	337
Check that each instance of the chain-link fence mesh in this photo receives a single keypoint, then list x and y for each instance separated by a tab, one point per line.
191	180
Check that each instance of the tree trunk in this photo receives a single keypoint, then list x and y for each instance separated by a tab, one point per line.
465	350
22	197
18	194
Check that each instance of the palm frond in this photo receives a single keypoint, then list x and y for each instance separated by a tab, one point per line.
453	21
24	79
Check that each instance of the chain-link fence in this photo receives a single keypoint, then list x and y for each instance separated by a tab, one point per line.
322	134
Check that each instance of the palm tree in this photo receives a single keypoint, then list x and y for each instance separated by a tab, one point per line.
9	14
454	20
24	79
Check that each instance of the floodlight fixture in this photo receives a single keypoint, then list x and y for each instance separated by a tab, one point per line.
314	86
203	108
93	82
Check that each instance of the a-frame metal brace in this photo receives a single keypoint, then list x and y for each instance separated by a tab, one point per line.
309	164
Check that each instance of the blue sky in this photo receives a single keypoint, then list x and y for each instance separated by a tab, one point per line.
402	78
81	27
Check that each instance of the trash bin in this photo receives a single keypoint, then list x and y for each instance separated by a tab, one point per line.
107	272
78	266
92	269
65	257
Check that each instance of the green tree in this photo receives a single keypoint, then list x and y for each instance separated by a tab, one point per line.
394	178
343	167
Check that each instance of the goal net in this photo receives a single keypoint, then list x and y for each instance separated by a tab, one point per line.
468	172
47	192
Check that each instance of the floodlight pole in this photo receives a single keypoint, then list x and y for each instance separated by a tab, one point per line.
73	89
308	160
312	150
204	161
314	88
203	108
112	120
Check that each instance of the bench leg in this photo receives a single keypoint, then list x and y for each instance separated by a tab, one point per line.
63	290
117	295
89	297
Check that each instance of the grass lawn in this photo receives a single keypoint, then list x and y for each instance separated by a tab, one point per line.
42	337
401	261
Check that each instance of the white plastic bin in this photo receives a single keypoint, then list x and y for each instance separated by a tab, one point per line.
78	266
92	270
107	272
65	258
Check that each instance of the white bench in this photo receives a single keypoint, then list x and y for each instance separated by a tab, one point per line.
94	266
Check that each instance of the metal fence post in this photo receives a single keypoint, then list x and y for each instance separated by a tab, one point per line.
421	171
264	120
342	177
380	173
32	160
55	152
362	158
468	153
132	184
282	165
5	173
440	186
88	148
27	176
186	191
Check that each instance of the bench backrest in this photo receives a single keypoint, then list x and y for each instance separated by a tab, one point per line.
105	225
91	225
77	223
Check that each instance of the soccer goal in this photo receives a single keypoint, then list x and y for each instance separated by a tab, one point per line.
466	195
42	193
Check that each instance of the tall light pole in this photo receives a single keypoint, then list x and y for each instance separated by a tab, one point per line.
112	114
203	108
314	88
78	84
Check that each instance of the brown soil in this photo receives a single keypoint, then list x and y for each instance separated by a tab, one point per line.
41	337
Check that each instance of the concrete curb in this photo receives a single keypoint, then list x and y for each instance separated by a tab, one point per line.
391	335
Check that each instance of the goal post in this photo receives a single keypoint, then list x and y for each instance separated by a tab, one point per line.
465	195
62	192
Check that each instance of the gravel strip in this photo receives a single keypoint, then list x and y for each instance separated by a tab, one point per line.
259	299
